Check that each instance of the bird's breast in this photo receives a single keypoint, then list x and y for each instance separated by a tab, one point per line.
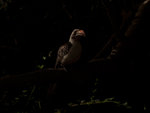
73	54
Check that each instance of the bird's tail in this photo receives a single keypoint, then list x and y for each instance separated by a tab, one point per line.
55	67
57	64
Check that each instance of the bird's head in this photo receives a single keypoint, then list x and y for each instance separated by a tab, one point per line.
77	35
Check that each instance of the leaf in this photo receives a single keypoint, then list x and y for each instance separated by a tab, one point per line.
40	66
44	58
17	98
24	91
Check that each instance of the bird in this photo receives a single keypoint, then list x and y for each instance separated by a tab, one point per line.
71	52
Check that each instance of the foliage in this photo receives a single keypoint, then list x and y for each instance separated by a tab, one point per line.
29	100
4	4
21	101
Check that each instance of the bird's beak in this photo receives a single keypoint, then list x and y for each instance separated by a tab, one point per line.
81	33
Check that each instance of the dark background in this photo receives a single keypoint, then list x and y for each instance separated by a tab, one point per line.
31	29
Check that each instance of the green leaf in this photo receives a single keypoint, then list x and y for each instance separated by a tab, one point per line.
145	108
24	91
44	58
17	98
40	66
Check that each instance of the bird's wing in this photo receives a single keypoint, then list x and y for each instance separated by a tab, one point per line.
62	51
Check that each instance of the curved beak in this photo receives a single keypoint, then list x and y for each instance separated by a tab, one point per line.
80	33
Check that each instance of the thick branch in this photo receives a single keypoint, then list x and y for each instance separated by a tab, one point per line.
37	77
42	76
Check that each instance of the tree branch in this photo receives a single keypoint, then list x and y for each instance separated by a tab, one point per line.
77	76
27	79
